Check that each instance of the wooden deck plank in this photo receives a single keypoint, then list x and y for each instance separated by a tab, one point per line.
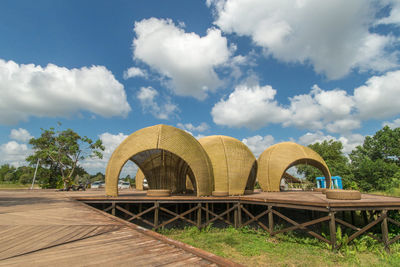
46	228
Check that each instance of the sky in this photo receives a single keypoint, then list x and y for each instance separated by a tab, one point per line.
261	71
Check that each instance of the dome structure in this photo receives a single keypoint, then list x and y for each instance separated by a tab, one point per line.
233	165
275	160
166	155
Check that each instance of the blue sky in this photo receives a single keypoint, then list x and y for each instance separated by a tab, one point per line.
260	71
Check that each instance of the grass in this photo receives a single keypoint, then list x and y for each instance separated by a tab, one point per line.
16	186
395	192
256	248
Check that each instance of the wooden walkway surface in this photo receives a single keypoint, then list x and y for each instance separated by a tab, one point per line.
47	228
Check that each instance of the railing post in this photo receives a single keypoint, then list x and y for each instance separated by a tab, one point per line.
384	226
332	229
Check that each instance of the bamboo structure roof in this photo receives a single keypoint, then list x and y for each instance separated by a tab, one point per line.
275	160
232	163
166	155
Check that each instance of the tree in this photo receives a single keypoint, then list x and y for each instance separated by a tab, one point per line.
61	151
338	163
5	170
376	164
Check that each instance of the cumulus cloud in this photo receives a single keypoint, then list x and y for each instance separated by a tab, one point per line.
257	144
202	127
187	60
335	111
148	99
379	97
21	135
394	124
14	153
350	142
255	106
30	90
333	36
134	72
110	142
249	106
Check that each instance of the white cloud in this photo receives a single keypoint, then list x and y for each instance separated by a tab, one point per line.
202	127
350	142
29	90
110	142
148	99
343	125
333	35
311	138
379	97
257	144
255	106
21	135
394	16
394	124
187	59
134	72
14	153
249	106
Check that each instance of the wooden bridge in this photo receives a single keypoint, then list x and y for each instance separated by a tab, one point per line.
48	228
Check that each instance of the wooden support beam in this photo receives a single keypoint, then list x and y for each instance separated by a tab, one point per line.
113	208
367	227
239	208
356	228
384	227
221	216
137	216
332	229
156	213
107	209
207	214
255	218
235	217
179	216
301	226
199	215
270	220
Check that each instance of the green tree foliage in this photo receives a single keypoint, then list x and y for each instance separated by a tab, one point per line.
4	171
338	163
60	152
376	164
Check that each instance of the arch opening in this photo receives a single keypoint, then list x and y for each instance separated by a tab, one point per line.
164	170
291	182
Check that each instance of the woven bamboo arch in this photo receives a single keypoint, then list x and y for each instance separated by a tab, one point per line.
232	163
162	151
275	160
139	178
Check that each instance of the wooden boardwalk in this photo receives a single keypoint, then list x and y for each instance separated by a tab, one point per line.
47	228
260	209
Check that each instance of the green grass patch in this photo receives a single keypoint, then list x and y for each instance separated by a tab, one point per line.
16	186
256	248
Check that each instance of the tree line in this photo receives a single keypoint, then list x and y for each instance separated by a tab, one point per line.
372	166
375	165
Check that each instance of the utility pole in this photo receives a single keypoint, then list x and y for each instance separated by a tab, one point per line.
34	176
